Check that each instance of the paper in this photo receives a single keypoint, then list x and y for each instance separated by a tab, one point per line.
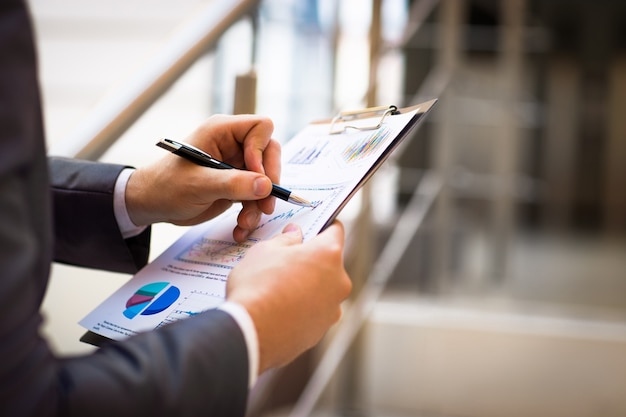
190	276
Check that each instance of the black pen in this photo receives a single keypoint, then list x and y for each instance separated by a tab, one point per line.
200	157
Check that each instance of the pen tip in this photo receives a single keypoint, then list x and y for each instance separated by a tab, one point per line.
300	201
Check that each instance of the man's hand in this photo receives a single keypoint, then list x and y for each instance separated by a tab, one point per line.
292	291
177	191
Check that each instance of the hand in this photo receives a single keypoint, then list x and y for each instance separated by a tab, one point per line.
292	291
178	191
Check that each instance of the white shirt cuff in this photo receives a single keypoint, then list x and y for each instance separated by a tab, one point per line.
241	316
127	227
237	312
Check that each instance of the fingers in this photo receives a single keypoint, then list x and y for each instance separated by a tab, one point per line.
330	243
247	220
244	141
332	239
335	232
291	234
236	184
177	191
266	160
294	303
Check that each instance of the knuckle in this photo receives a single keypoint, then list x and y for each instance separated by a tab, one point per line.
274	146
266	122
347	286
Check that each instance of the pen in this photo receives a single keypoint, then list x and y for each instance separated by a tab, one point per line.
197	156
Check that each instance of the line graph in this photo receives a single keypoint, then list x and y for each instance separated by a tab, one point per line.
284	216
225	254
308	154
306	217
193	304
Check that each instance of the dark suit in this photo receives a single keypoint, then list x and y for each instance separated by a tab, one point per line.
193	367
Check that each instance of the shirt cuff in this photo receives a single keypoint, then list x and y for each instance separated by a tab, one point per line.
127	227
241	316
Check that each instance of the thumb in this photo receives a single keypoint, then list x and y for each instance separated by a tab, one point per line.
291	235
332	237
240	185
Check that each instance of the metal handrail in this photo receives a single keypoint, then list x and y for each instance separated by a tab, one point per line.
410	220
406	227
114	115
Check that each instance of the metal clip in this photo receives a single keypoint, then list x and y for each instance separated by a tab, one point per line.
346	116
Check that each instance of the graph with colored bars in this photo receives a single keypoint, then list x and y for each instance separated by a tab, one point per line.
193	304
363	148
213	252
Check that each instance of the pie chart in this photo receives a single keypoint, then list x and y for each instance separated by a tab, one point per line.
151	299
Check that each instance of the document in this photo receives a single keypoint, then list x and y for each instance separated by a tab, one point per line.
190	276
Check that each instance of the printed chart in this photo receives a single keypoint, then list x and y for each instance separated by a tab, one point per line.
194	303
309	154
145	301
213	252
225	254
190	276
364	147
306	217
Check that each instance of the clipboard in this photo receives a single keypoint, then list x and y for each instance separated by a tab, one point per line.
348	120
327	162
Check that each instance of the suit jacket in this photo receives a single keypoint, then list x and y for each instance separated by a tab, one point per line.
193	367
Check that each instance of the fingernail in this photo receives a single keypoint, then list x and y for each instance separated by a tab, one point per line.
261	187
290	228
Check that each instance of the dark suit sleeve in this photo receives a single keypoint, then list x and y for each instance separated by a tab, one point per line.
85	230
195	367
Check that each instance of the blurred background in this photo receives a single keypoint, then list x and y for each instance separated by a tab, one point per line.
489	254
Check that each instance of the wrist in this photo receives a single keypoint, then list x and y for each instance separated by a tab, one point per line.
243	319
135	196
127	228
